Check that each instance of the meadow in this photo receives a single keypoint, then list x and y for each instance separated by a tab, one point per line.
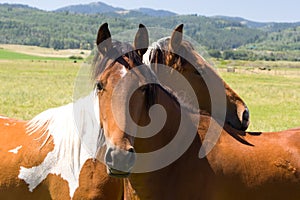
11	55
30	85
273	100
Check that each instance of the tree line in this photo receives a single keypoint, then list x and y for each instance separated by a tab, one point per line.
220	37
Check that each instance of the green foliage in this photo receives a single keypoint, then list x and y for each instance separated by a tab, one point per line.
215	53
29	26
282	40
237	55
226	38
76	57
62	30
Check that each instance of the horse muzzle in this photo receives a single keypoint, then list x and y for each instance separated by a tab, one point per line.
119	162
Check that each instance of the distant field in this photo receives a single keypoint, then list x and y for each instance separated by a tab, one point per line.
11	51
273	100
10	55
29	86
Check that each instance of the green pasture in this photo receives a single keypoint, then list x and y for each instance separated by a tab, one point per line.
10	55
30	86
273	100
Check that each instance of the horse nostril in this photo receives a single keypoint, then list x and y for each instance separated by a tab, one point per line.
131	150
245	120
108	156
246	115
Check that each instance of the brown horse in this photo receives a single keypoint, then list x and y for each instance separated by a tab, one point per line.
180	55
167	165
55	156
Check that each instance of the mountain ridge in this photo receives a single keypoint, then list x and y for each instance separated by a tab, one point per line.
21	24
255	24
101	8
108	9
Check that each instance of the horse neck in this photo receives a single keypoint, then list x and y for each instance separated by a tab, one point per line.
150	184
74	130
210	73
181	124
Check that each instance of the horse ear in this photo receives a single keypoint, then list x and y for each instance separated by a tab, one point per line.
176	38
141	40
104	42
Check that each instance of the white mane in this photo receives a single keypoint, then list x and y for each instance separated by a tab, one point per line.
74	129
148	56
182	96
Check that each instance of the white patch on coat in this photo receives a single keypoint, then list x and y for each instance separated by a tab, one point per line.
76	136
123	71
15	150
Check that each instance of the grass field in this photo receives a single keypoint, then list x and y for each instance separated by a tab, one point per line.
41	52
273	100
10	55
29	86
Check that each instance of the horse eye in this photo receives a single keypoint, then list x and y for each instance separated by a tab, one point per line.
99	86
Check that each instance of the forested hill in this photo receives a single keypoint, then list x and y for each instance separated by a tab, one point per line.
21	24
99	7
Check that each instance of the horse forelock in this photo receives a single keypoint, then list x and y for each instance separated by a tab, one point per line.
156	55
120	49
74	129
158	50
145	73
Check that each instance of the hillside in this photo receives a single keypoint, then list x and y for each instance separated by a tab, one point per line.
282	40
21	24
100	8
92	8
60	30
266	26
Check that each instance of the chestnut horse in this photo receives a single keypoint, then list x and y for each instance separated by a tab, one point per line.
240	166
56	154
53	156
180	55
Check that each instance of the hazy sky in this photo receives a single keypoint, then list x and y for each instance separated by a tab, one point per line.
257	10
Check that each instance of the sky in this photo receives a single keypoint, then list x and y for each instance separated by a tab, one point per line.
256	10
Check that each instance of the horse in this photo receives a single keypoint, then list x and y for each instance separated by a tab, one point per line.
46	158
56	154
243	165
181	56
113	53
